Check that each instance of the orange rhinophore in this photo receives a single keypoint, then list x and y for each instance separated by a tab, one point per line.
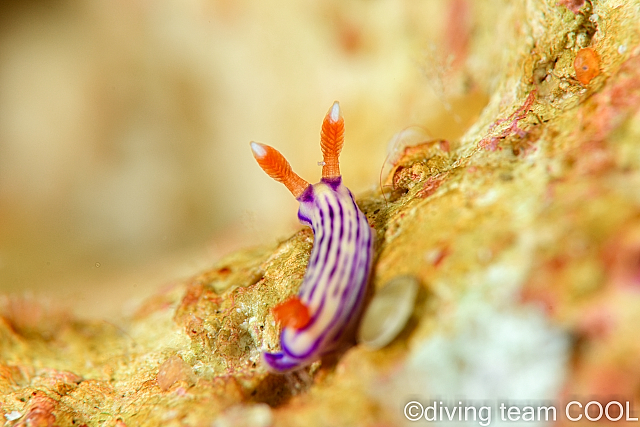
292	313
277	167
331	141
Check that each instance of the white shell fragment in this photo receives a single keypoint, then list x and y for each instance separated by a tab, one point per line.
388	312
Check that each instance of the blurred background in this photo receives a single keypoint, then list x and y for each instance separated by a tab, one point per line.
124	125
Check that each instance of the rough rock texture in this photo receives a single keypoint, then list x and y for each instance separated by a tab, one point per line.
524	235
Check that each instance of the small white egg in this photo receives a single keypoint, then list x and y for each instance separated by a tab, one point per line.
388	312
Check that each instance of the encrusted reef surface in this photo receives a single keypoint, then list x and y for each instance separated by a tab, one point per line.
524	235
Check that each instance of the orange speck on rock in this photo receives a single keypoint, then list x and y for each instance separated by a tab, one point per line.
587	65
292	313
224	271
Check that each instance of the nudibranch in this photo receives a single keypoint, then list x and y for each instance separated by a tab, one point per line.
329	302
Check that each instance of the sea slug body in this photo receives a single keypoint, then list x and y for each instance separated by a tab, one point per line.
331	295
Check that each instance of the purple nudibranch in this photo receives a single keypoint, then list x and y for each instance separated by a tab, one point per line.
335	282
